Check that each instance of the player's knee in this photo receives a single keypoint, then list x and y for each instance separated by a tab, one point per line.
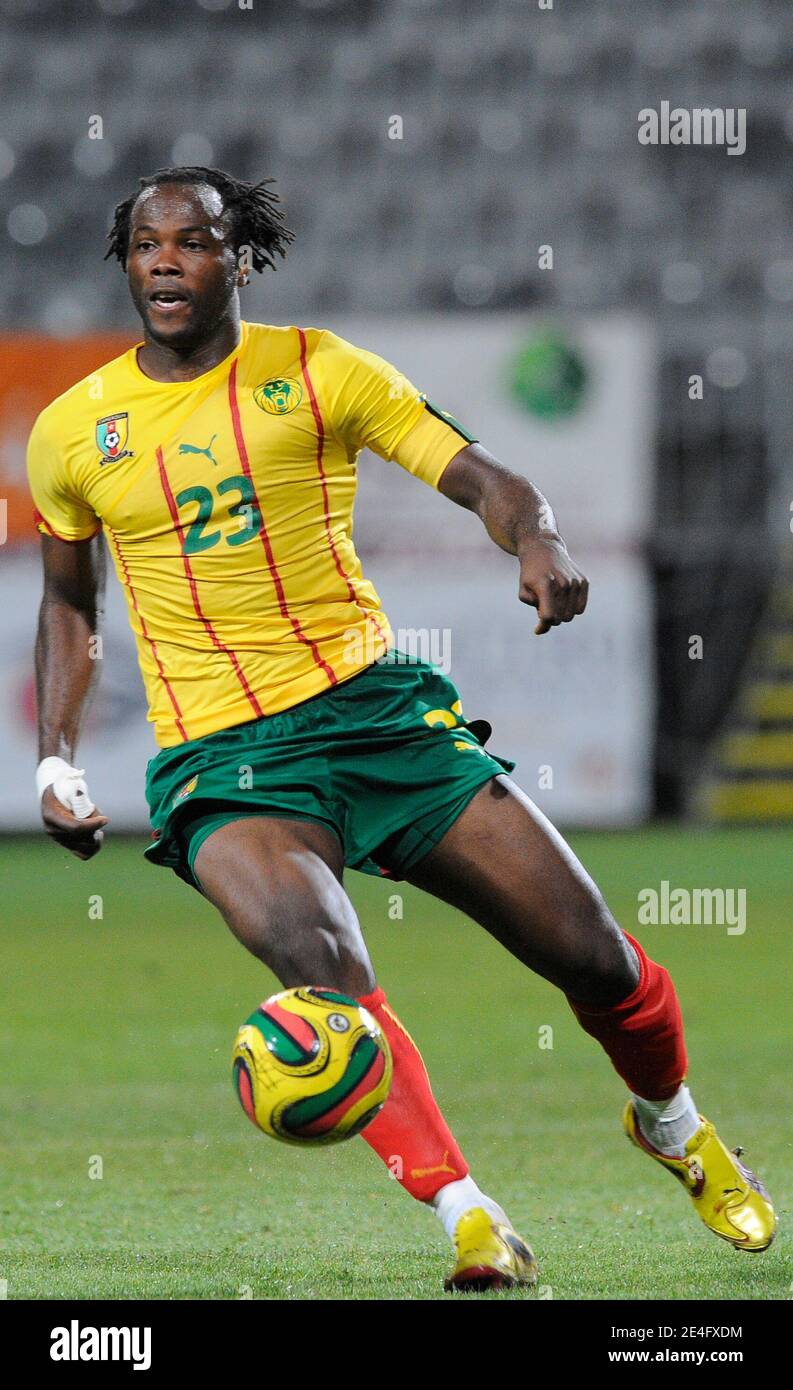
324	952
607	971
307	941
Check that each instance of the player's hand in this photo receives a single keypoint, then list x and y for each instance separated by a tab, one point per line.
82	836
550	582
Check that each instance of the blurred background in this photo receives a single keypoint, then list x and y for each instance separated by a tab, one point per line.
470	199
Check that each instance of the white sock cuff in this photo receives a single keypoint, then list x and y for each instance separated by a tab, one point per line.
456	1198
669	1110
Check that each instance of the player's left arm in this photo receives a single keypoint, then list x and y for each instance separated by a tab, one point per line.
520	520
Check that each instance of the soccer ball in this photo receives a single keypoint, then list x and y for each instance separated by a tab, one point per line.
311	1066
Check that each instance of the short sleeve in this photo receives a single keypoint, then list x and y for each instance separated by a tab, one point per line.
433	442
373	404
59	511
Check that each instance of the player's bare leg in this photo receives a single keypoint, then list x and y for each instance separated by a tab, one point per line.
278	885
504	864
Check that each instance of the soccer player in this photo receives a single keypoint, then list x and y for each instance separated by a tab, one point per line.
218	457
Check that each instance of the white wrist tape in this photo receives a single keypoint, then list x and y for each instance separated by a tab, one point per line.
67	785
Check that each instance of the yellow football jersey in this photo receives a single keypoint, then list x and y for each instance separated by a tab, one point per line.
227	504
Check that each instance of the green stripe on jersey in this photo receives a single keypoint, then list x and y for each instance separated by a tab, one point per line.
449	420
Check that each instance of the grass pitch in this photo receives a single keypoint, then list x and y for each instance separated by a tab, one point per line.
130	1171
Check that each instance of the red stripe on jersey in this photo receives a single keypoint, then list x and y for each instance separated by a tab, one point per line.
145	633
221	646
264	537
320	424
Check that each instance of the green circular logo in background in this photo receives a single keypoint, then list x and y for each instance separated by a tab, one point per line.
549	377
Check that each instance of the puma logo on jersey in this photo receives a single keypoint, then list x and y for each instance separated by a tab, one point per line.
194	449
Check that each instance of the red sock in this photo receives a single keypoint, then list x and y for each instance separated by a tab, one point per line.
410	1133
643	1035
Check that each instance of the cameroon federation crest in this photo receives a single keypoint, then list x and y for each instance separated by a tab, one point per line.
279	395
112	434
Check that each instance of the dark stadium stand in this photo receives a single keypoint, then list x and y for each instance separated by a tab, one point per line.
497	157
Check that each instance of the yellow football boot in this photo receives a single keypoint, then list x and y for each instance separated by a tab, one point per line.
490	1255
727	1196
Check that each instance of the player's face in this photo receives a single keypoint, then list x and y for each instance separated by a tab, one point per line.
182	272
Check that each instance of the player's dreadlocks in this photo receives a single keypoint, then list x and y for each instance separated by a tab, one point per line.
257	219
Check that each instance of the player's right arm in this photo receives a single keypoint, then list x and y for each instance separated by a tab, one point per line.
73	560
74	575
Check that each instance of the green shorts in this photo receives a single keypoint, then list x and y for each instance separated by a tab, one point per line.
385	760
